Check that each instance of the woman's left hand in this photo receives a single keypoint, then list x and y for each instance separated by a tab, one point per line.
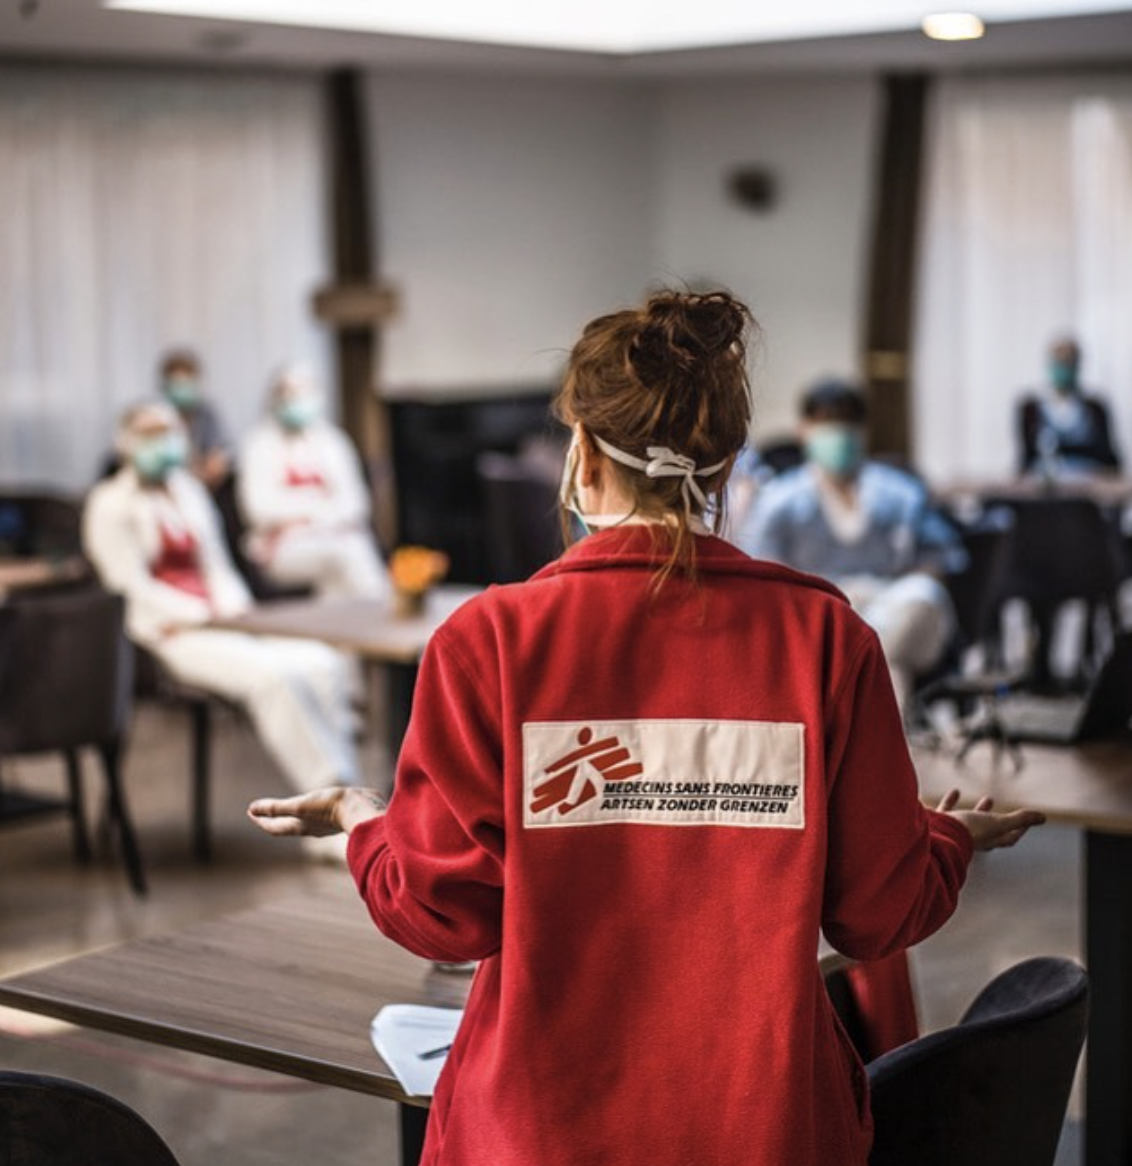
989	829
319	813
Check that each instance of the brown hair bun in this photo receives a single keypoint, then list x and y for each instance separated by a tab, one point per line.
686	331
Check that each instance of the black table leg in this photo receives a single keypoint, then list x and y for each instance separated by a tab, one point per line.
414	1118
1108	948
402	680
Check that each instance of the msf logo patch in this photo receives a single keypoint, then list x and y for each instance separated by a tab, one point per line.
664	772
583	773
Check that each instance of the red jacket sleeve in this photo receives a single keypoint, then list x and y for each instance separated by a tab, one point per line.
894	869
431	869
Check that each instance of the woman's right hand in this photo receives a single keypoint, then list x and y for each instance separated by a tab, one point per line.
336	809
990	829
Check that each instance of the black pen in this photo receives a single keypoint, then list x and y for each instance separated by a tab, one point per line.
432	1054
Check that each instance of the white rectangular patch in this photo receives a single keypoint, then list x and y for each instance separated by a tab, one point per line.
665	773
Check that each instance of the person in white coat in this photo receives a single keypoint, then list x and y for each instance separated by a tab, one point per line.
153	535
304	498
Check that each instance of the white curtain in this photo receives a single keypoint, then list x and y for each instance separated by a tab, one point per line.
1027	236
144	210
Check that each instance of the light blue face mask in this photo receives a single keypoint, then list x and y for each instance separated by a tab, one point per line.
838	449
154	457
298	412
182	390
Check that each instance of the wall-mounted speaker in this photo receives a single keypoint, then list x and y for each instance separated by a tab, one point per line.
752	187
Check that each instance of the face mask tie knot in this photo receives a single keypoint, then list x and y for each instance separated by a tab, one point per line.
665	463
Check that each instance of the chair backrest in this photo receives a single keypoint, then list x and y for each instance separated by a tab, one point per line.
521	523
40	522
51	1121
987	543
1059	549
781	454
65	672
995	1087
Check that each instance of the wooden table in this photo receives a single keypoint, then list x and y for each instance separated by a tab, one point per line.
31	574
290	987
1088	786
370	629
1107	490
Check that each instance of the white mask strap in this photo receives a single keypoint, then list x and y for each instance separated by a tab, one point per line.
664	463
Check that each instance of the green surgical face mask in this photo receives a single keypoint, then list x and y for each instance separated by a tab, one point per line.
839	449
155	457
182	390
298	412
1063	375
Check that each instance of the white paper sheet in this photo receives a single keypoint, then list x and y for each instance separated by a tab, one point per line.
402	1032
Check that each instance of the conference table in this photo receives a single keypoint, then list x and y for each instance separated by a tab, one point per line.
1109	491
374	630
1088	786
290	987
25	574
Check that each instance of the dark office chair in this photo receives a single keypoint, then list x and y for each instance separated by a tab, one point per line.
1060	549
40	522
66	684
51	1121
157	683
781	454
995	1087
521	522
987	542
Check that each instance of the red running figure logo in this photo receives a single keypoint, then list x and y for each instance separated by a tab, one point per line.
583	773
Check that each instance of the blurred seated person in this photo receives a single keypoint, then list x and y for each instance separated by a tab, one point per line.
866	526
209	452
755	466
1064	430
153	535
748	476
304	498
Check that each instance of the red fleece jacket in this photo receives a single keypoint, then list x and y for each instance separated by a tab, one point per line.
639	809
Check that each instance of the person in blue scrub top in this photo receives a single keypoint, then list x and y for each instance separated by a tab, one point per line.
864	525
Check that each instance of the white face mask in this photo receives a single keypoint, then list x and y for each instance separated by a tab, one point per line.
663	464
568	489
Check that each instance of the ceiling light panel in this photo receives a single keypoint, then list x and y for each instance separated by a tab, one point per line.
953	26
613	26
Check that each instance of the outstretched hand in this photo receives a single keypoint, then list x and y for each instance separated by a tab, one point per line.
990	829
317	814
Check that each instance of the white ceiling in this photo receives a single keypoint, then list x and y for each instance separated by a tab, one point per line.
604	26
882	35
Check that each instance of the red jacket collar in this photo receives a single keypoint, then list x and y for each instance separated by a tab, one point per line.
647	546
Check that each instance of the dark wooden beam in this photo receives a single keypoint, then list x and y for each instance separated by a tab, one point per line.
355	274
892	265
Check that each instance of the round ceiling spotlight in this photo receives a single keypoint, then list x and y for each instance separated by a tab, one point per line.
953	26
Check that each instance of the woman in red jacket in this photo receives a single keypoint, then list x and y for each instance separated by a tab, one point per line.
637	787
